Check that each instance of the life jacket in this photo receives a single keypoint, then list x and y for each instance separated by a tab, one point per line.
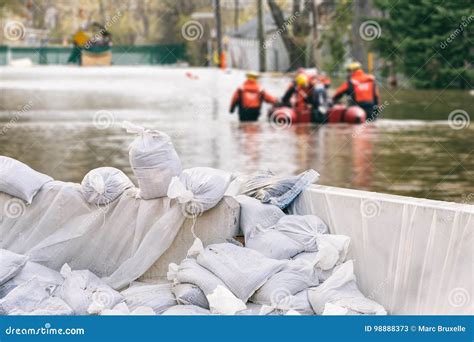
302	95
362	87
250	95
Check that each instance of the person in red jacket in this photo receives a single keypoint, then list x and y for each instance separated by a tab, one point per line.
249	98
362	90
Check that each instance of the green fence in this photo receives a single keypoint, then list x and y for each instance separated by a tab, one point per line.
121	54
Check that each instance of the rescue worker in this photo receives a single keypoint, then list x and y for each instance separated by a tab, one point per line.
79	40
319	99
362	90
301	89
249	98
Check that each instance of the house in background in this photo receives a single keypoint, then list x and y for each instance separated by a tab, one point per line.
243	47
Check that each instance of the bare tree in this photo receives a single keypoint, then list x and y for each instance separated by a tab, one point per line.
361	9
295	52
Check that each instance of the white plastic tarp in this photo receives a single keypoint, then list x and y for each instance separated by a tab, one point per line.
119	241
413	256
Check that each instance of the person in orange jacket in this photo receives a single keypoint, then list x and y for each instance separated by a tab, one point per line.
249	98
362	90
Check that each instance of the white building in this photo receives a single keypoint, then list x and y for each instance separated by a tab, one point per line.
243	47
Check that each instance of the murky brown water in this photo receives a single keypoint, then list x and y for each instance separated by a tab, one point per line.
65	121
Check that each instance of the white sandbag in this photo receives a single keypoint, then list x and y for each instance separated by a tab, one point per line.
199	189
332	250
292	313
243	270
103	185
293	278
303	229
190	294
189	271
253	213
143	311
48	279
10	264
312	258
85	293
341	290
224	302
334	310
186	310
19	180
252	310
153	159
265	310
122	309
156	296
300	303
273	244
31	298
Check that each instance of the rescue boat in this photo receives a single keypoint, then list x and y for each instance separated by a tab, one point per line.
338	113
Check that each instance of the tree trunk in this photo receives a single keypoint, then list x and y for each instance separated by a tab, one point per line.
236	15
297	22
296	55
361	9
314	32
262	55
217	10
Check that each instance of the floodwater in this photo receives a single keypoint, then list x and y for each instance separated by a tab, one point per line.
64	121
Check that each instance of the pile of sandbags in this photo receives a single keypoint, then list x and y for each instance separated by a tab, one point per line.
28	288
290	265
